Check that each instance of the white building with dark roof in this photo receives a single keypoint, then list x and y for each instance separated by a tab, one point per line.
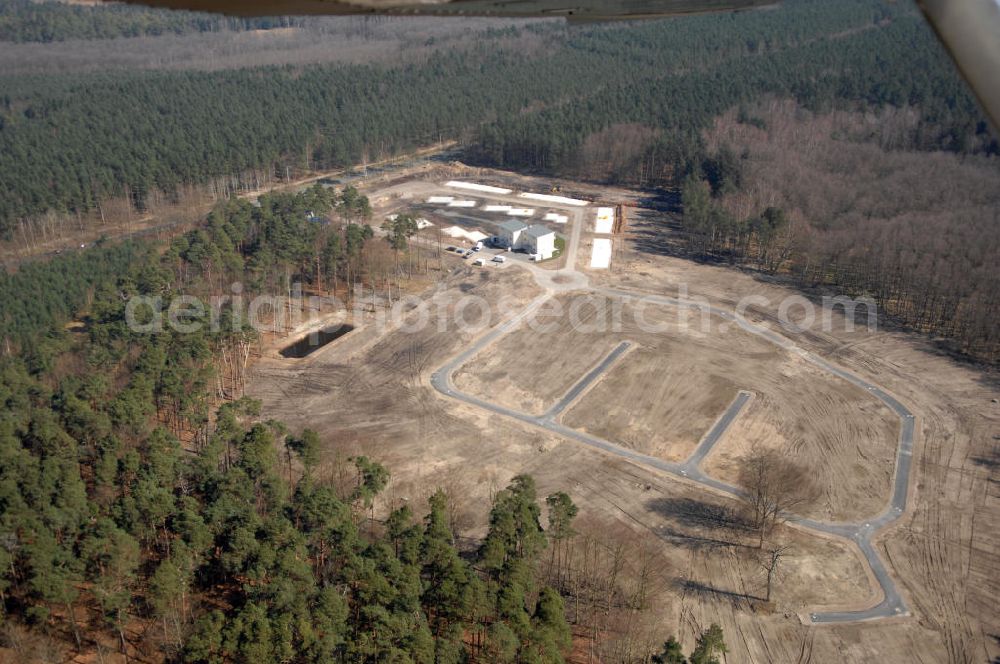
536	239
539	240
510	234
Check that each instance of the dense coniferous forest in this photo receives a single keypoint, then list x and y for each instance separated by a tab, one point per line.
127	493
625	104
44	295
139	486
128	134
268	247
871	68
29	21
147	508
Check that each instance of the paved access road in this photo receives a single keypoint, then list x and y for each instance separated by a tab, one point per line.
583	383
717	430
861	534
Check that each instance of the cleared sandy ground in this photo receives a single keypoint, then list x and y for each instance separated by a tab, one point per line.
656	400
945	553
370	394
533	366
664	395
839	434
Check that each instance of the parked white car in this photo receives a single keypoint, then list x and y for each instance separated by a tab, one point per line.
479	262
499	259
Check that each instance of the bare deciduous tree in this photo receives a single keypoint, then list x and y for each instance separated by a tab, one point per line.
775	486
770	562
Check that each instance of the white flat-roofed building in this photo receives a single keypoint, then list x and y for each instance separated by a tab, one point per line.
558	200
600	257
472	186
510	234
605	223
540	241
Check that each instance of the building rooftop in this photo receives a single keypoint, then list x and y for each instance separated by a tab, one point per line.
538	230
512	226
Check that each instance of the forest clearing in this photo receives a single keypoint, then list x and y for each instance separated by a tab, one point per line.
498	341
374	394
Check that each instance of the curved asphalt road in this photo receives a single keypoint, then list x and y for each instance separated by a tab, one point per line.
861	534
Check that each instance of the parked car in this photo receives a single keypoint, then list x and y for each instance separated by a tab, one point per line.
499	259
452	248
479	262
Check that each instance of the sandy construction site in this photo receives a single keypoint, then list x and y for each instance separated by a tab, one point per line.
662	397
622	403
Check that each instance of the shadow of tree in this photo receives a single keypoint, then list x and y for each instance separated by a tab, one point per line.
705	590
714	525
699	513
991	459
688	540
